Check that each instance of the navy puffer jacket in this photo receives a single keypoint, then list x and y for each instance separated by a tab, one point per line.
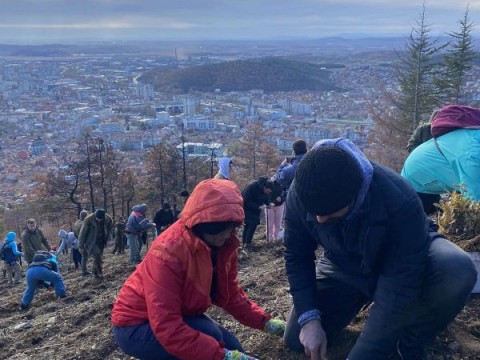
380	249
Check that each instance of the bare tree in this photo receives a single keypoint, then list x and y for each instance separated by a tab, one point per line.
126	189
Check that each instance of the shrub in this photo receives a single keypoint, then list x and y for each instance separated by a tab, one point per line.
460	221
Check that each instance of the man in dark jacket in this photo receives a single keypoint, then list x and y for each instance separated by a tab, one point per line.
378	246
255	198
97	229
163	218
33	240
286	170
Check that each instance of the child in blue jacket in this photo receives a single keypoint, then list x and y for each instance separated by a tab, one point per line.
10	256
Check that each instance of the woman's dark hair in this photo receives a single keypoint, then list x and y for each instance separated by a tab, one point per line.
212	228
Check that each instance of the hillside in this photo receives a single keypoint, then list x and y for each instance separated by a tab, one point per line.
79	327
270	74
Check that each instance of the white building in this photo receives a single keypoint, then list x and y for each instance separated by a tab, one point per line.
199	123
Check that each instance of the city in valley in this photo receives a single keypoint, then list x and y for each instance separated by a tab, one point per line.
50	95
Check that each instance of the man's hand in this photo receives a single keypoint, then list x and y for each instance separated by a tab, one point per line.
314	340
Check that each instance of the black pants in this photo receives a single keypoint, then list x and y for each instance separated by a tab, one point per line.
248	232
448	281
76	257
427	201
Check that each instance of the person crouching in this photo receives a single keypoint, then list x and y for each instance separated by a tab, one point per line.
160	310
42	271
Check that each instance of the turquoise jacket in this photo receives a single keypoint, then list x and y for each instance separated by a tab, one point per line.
456	166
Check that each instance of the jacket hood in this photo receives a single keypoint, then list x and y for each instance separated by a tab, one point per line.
142	209
361	160
213	200
11	236
62	234
224	167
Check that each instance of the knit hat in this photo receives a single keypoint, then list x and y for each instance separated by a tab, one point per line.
327	180
100	214
62	234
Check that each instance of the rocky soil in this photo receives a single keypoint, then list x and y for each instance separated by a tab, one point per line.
79	326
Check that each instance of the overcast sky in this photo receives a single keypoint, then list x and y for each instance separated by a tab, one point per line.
60	20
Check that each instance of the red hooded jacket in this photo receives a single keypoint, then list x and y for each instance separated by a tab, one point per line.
175	278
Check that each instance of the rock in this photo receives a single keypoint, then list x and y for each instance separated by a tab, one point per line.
23	326
52	320
454	346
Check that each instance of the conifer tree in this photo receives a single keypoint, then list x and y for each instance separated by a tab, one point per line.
458	62
399	112
417	97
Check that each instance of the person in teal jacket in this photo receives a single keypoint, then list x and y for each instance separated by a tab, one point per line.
452	164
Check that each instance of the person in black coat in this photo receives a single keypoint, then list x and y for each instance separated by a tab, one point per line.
255	198
164	217
378	246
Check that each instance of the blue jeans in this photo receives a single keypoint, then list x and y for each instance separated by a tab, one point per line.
449	279
35	275
140	342
133	248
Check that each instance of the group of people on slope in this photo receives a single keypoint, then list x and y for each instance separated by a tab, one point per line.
42	266
379	249
89	237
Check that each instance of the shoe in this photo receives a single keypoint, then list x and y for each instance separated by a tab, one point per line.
99	276
410	352
23	307
86	273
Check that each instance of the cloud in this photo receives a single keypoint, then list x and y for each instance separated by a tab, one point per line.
175	19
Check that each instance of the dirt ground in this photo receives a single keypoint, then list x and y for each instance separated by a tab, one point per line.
79	326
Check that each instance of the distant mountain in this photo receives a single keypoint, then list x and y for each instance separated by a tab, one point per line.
270	74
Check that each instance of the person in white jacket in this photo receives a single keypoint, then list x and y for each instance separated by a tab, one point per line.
70	241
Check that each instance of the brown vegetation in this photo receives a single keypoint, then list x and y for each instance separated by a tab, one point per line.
79	326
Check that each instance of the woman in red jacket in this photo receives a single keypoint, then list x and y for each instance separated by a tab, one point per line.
159	312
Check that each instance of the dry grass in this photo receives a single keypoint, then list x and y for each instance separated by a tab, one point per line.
460	221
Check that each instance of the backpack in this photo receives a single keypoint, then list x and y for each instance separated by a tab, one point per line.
453	117
44	258
6	254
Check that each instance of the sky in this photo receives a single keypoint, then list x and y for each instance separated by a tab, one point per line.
44	21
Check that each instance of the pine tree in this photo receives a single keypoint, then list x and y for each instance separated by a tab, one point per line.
401	110
417	97
458	62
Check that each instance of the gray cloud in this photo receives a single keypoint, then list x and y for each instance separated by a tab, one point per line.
220	19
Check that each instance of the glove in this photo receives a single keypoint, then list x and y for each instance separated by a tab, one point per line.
237	355
275	327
